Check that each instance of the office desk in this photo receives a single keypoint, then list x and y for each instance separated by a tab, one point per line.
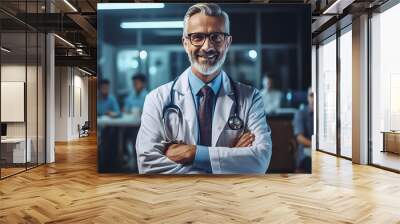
13	150
116	138
125	120
391	141
284	145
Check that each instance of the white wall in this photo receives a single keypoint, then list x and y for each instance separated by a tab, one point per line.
61	103
13	73
71	94
80	100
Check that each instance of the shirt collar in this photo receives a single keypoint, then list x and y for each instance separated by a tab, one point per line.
196	84
143	93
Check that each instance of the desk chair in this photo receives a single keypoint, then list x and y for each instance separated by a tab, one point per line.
84	130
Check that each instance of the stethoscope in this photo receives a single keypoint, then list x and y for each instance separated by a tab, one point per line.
234	121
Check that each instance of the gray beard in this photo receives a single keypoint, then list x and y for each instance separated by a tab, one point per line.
206	69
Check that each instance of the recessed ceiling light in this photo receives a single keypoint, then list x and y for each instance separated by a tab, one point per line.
84	71
5	50
70	5
65	41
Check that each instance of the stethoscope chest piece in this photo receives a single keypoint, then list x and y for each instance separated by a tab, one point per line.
235	123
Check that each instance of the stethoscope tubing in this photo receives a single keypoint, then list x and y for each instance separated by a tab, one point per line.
173	107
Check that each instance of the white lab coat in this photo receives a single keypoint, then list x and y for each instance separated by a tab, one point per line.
223	158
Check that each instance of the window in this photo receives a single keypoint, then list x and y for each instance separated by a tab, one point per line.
385	88
346	93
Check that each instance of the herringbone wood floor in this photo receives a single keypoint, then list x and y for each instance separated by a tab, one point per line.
71	191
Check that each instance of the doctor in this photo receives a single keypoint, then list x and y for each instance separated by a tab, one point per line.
203	122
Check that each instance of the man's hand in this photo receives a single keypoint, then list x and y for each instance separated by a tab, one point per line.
181	153
245	140
304	140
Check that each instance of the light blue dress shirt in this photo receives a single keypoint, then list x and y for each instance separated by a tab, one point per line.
202	157
134	100
108	104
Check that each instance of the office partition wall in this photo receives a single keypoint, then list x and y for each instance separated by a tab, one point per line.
22	80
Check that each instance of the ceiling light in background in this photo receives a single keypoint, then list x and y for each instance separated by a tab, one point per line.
152	25
252	54
65	41
116	6
5	50
143	54
70	5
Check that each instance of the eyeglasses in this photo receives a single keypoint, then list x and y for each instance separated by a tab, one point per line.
198	39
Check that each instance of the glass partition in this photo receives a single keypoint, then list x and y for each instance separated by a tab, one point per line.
13	108
41	85
327	95
22	87
31	97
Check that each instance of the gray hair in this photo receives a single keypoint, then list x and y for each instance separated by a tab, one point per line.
209	9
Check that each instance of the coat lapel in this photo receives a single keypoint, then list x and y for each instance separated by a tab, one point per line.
184	100
223	108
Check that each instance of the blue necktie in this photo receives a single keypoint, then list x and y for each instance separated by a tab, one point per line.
205	115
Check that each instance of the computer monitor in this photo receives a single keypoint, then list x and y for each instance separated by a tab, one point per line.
3	129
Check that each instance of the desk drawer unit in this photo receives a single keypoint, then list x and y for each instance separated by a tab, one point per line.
392	142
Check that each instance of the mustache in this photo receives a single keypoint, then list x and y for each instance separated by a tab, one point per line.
208	53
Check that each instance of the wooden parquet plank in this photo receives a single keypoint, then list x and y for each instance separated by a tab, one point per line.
71	191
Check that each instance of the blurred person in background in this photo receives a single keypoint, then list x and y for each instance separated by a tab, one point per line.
303	125
133	105
271	97
107	103
134	101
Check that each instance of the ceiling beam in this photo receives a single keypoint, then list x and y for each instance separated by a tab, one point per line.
84	24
